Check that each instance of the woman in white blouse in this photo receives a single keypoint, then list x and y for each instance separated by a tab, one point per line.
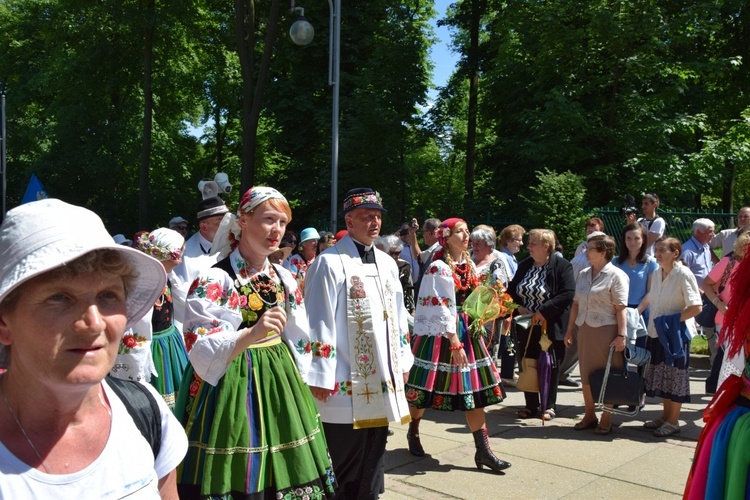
253	426
674	294
599	311
452	367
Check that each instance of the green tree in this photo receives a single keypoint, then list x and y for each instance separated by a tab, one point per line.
556	202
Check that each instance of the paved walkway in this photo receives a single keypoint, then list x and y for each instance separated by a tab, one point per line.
550	461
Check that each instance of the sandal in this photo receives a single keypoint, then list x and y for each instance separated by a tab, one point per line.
583	425
527	413
667	429
602	431
549	414
653	424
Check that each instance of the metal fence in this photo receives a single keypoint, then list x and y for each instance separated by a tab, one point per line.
679	222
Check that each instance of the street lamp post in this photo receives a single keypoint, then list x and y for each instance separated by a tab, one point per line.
302	33
3	159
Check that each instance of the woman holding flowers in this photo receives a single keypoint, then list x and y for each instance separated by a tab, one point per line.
251	421
452	368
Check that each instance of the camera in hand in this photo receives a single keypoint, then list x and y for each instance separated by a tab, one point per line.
629	207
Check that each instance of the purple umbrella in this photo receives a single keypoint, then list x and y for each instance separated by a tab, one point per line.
544	369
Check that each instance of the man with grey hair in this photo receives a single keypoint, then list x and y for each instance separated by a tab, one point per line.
725	238
696	253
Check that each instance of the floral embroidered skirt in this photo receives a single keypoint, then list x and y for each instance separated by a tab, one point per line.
171	360
257	434
664	381
434	382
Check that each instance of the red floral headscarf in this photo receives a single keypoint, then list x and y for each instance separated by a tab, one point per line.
446	229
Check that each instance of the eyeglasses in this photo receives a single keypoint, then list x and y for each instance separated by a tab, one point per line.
179	228
518	240
394	253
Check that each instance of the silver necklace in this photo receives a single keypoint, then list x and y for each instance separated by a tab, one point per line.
23	431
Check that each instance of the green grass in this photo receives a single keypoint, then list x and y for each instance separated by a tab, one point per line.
699	345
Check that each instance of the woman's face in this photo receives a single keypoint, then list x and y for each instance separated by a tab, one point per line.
634	241
594	256
309	248
537	249
66	330
480	249
514	245
262	230
459	238
664	256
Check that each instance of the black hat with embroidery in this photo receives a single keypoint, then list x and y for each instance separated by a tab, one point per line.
210	207
362	198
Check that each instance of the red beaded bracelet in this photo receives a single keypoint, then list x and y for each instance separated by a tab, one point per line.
457	348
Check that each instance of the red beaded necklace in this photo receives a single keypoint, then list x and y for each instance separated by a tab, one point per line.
463	276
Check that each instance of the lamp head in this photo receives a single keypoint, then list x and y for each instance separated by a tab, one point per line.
301	32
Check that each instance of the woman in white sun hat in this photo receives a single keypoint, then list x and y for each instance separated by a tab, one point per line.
67	293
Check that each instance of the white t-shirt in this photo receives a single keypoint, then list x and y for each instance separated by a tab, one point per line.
656	225
125	467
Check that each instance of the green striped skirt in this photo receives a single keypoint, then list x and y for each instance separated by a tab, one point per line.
170	360
257	434
434	382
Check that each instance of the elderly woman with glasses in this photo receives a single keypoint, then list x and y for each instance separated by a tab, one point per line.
67	294
544	286
392	245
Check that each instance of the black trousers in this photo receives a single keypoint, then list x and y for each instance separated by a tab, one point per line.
358	457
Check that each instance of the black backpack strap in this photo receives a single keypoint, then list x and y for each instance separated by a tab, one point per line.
142	407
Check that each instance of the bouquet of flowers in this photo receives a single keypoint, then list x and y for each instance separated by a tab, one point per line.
485	303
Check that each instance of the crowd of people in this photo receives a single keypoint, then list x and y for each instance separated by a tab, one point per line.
245	360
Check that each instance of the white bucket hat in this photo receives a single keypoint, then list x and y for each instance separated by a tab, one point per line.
43	235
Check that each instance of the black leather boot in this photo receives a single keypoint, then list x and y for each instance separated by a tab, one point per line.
484	455
412	437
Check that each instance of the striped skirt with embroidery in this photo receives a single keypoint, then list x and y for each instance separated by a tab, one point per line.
434	382
171	360
257	434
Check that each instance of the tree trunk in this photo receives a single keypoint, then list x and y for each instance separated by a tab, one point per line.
729	178
471	128
148	111
253	86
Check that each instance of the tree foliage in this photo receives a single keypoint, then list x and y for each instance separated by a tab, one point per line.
556	202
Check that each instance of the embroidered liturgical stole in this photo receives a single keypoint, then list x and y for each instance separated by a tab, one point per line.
363	287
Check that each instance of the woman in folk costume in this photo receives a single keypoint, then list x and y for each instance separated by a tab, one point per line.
252	424
452	369
722	459
167	347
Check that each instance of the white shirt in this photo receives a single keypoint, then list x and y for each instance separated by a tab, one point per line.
672	295
407	255
195	259
598	296
657	226
125	468
725	239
